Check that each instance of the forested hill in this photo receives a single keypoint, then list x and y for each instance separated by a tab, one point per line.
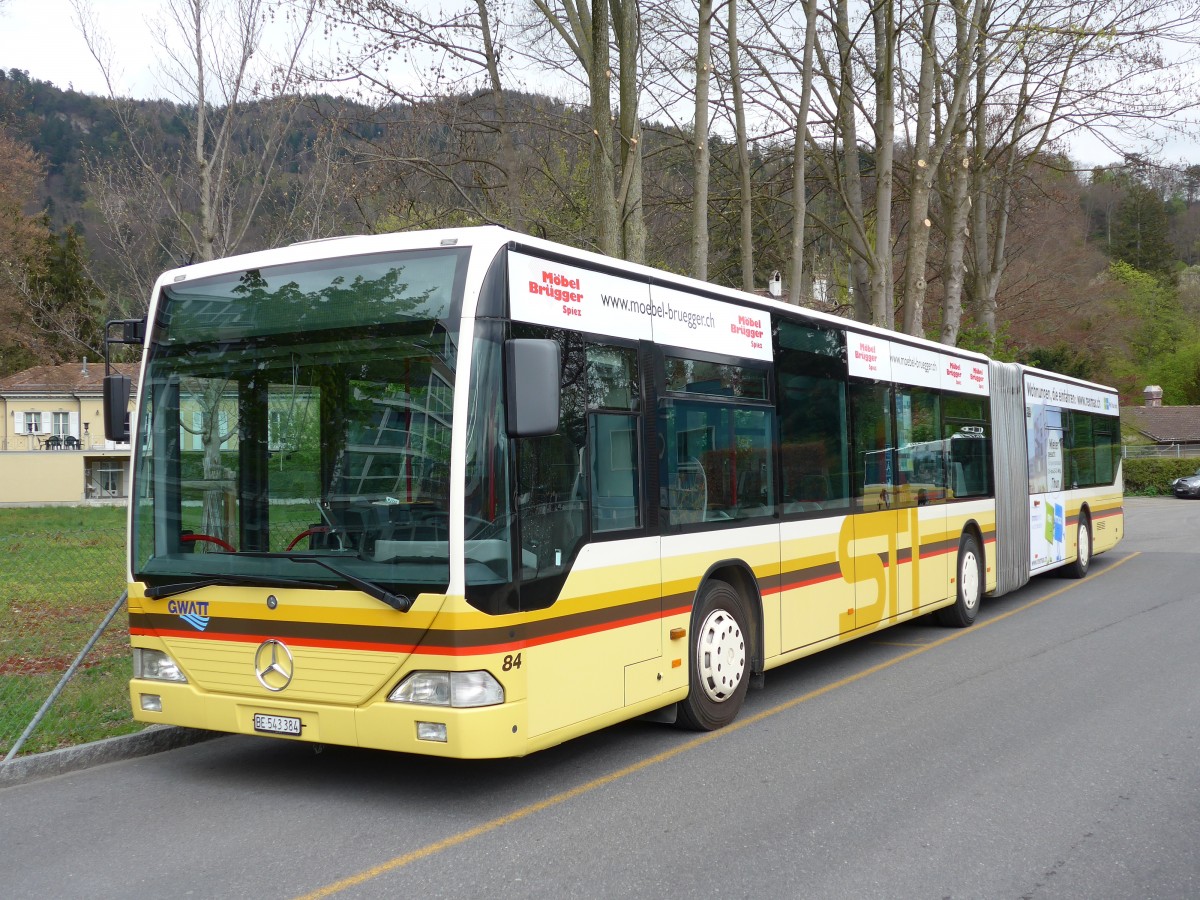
1099	276
64	127
72	132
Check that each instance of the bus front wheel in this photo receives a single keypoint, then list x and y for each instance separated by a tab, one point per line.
970	585
720	659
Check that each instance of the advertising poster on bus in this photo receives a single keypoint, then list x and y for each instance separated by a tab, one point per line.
1047	530
1047	403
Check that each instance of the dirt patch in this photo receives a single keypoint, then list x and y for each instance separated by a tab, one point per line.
54	664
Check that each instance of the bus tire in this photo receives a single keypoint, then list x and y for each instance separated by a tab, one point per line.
970	585
1083	549
719	659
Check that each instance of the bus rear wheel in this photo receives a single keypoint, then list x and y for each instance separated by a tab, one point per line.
1083	549
719	664
970	586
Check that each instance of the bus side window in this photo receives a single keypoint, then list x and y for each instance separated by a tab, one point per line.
813	431
874	446
550	480
922	475
966	424
1083	451
614	426
614	453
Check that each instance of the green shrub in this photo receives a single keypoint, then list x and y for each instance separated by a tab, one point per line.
1154	476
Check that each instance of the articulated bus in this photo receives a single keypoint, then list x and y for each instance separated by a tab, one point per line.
469	493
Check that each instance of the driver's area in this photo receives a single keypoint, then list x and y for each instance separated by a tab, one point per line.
337	448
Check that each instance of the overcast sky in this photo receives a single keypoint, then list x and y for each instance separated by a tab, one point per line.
41	37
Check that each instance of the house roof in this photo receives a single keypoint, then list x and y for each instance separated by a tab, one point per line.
70	378
1165	424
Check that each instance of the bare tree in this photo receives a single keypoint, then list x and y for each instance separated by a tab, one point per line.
445	69
240	112
934	138
742	145
865	255
589	33
700	152
137	236
238	115
883	73
778	66
1045	72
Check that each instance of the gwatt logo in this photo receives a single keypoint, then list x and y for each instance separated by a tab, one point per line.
194	612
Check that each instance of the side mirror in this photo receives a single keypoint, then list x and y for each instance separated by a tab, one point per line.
533	371
116	408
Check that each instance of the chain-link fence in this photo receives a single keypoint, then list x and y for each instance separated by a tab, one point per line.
61	573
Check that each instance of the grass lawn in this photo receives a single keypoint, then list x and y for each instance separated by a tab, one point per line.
61	571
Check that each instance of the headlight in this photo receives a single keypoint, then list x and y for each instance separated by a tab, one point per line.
156	666
457	689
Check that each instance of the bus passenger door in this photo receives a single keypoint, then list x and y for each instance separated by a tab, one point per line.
592	580
898	540
868	547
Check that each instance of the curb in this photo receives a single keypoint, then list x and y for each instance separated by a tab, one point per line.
153	739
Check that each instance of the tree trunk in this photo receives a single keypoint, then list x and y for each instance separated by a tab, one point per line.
957	211
882	293
633	221
207	245
929	152
745	189
920	182
700	144
509	161
608	224
861	255
799	157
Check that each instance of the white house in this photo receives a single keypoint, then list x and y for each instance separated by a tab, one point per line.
52	446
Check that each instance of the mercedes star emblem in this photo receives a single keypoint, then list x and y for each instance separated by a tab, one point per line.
273	665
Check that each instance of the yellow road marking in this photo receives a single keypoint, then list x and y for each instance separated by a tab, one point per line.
525	812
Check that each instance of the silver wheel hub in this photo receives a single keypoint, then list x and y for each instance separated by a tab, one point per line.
968	581
1085	546
720	655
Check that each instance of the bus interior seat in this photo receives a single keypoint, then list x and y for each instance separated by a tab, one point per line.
689	496
959	480
753	496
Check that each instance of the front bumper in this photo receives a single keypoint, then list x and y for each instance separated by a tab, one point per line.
483	733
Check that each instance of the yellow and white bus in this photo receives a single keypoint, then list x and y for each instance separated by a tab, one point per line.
469	493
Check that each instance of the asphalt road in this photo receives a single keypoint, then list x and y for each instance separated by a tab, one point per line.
1053	750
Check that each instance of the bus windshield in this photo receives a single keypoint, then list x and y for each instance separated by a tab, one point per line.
301	411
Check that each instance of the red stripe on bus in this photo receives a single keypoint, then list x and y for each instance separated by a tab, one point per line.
422	649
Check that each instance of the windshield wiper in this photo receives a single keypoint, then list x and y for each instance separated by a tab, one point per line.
182	587
395	601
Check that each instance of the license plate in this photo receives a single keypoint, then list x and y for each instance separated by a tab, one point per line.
276	724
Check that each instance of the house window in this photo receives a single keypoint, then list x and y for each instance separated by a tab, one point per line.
106	480
61	424
33	423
